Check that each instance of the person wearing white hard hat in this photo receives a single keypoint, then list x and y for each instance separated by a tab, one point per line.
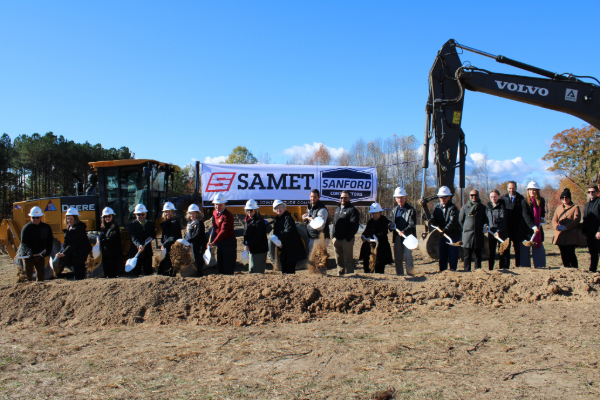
36	244
196	235
534	212
316	209
170	232
345	226
77	247
292	247
110	243
445	217
139	231
224	236
255	238
404	218
377	227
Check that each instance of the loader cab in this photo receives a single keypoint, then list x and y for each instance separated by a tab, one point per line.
124	183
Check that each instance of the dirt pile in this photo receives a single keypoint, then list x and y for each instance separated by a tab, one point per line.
256	299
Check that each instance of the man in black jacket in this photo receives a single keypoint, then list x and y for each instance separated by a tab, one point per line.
345	226
139	231
36	243
472	219
316	209
445	217
513	215
591	225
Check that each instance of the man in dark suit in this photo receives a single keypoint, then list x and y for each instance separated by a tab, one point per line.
591	225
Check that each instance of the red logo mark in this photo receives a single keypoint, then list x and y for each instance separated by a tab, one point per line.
220	181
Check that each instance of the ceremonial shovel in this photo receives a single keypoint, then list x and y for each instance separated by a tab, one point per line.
410	241
457	244
504	244
132	262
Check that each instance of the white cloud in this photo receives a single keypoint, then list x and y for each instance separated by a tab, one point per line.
515	169
308	149
215	160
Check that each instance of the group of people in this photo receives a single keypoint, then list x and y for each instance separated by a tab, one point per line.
511	217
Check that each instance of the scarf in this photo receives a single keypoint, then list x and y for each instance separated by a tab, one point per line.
189	227
537	214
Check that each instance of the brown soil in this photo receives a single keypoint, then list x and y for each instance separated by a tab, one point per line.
521	333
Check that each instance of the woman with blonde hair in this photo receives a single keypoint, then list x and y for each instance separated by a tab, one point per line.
566	219
171	231
534	212
196	235
77	247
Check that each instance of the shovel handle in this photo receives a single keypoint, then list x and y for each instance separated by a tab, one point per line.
400	233
442	232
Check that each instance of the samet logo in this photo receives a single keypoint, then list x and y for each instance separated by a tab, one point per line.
358	183
220	181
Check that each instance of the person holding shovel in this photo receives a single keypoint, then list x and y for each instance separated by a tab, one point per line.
292	248
171	231
196	235
404	219
110	243
255	238
36	243
445	217
139	231
224	239
496	214
566	219
77	247
530	231
377	227
473	218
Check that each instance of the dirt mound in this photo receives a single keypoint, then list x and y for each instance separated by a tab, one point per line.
256	299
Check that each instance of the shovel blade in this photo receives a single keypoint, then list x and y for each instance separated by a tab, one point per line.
411	242
130	264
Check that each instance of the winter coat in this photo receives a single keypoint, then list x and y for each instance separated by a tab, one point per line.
318	210
472	218
497	219
171	231
406	222
345	222
222	226
568	216
196	235
514	213
528	221
255	235
292	247
379	229
448	222
138	234
591	218
35	239
77	247
110	241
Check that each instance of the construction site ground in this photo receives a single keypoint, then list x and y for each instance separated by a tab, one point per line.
518	333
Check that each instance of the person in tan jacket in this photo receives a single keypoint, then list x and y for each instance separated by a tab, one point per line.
566	218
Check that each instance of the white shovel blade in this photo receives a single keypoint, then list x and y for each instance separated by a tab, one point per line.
130	264
411	242
96	251
162	254
184	242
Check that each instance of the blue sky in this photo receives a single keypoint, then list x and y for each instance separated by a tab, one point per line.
177	81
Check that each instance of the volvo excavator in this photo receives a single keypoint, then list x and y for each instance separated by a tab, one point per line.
448	81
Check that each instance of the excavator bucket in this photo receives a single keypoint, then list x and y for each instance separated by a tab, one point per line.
10	237
430	244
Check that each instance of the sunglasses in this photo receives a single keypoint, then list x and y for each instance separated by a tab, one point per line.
473	195
564	197
250	211
347	198
444	197
36	217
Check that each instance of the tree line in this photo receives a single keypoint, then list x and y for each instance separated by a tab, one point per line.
37	166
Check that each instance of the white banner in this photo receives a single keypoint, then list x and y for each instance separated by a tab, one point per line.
290	183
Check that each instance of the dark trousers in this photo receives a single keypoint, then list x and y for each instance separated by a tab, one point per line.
593	248
567	253
492	257
110	266
516	244
80	271
448	254
472	255
165	268
288	268
144	263
226	256
39	263
379	267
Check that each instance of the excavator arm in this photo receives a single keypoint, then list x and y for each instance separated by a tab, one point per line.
448	80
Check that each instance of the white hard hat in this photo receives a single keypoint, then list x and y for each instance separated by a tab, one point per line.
375	207
107	211
169	206
140	209
193	207
277	203
533	185
35	212
251	205
72	211
400	192
444	191
219	199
